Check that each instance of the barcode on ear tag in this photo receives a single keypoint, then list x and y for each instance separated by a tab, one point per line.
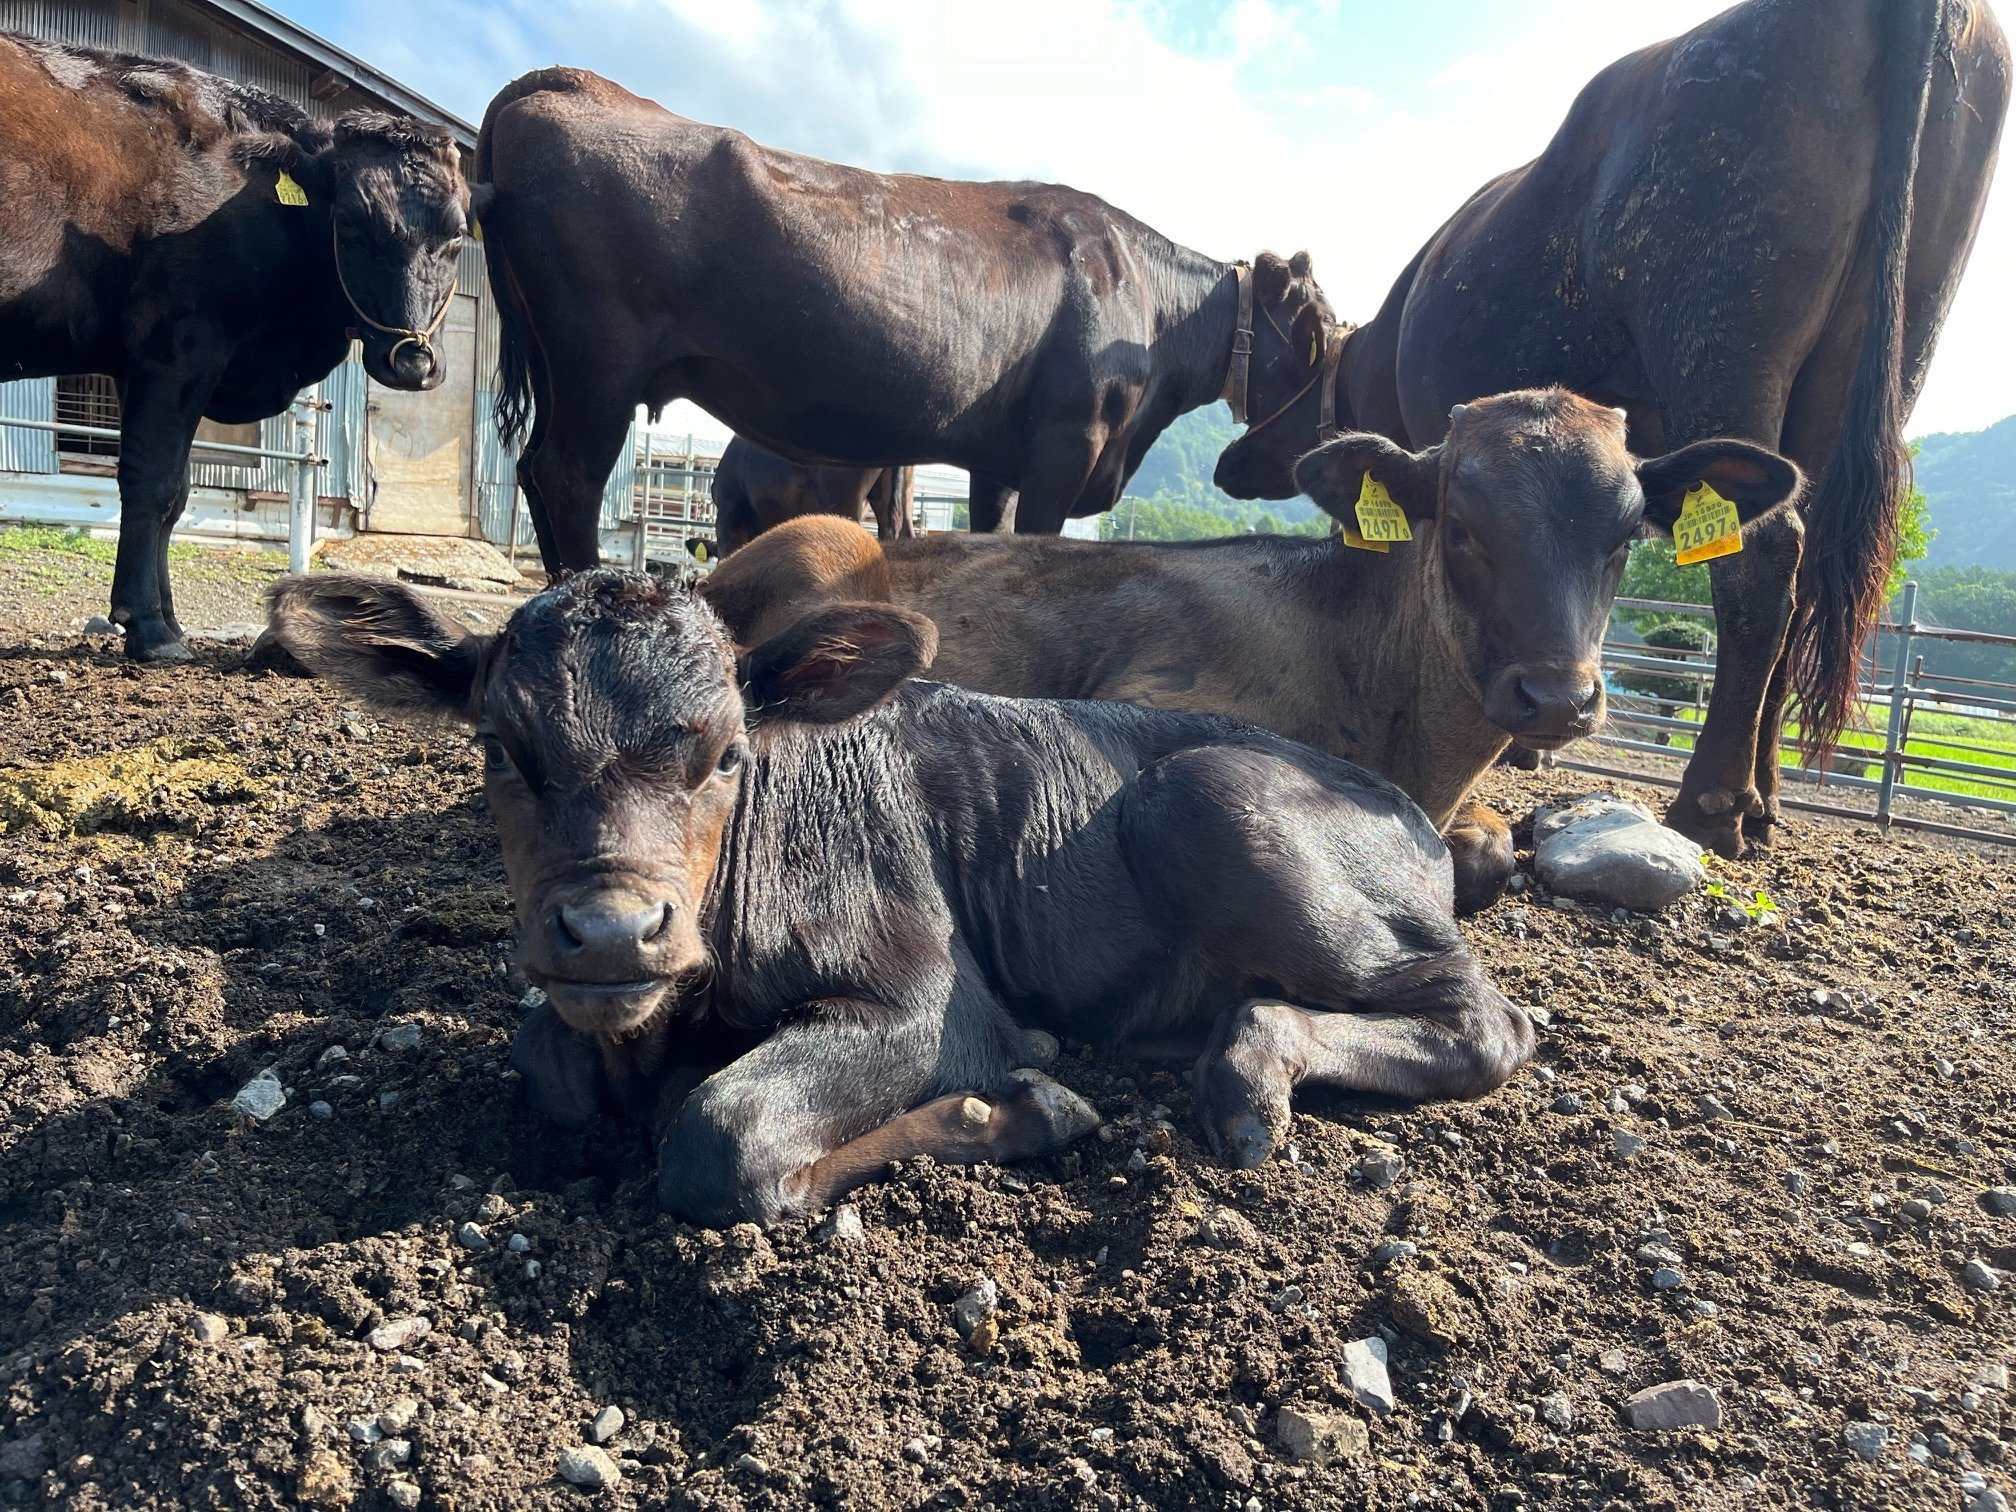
1380	520
1708	527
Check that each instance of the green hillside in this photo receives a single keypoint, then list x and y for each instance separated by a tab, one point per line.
1171	497
1969	478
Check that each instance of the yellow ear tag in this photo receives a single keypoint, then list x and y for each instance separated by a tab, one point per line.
476	231
287	191
1380	520
700	552
1708	527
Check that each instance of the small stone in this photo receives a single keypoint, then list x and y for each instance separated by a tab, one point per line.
1868	1440
386	1100
1567	1102
517	1244
1675	1404
364	1430
1395	1250
1608	850
976	1305
334	1055
1311	1437
1795	1182
324	1480
320	1109
2001	1201
1917	1210
399	1416
1628	1145
1557	1411
396	1335
403	1493
1614	1362
1713	1108
407	1365
1381	1171
1666	1278
262	1097
1978	1275
470	1237
607	1424
1994	1376
208	1328
842	1226
588	1467
399	1037
23	1458
1365	1374
389	1454
1226	1229
99	625
749	1464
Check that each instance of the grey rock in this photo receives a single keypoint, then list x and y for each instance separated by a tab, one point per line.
23	1458
1917	1210
1395	1250
403	1493
2001	1201
1796	1182
1675	1404
1868	1440
1311	1437
1609	850
386	1100
588	1467
397	1334
1713	1108
1666	1278
208	1328
389	1454
1224	1228
1978	1275
471	1237
333	1056
262	1097
606	1425
399	1037
320	1109
1567	1102
1557	1411
1381	1171
399	1416
99	625
1628	1145
977	1304
517	1244
364	1430
1366	1376
1976	1495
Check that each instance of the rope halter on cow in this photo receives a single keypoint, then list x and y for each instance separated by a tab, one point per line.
408	335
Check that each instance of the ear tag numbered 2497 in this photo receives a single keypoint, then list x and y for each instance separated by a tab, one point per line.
1708	527
1380	521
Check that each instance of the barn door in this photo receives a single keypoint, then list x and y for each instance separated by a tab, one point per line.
422	446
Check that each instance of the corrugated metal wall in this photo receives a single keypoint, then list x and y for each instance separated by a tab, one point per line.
26	451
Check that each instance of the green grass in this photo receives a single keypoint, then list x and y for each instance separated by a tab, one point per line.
25	540
1946	736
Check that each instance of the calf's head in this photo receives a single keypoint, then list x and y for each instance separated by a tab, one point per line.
1528	509
619	731
399	212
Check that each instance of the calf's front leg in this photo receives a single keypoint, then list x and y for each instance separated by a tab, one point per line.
833	1099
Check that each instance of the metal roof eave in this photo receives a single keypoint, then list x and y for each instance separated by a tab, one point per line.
270	23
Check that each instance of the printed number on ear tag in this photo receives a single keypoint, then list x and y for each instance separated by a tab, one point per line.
1380	520
289	192
1708	527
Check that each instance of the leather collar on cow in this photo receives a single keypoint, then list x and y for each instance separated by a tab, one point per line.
1239	370
1334	338
408	336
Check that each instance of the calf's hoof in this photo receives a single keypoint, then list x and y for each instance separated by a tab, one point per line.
155	641
1032	1115
1242	1089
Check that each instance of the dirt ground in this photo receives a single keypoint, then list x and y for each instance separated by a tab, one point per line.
203	1311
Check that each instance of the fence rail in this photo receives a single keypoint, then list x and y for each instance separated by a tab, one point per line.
1646	716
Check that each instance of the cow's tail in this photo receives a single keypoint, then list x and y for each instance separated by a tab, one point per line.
1854	515
514	363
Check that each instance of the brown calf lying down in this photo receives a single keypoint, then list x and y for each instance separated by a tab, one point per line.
1421	663
816	918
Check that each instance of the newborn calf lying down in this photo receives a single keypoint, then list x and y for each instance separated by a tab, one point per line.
808	917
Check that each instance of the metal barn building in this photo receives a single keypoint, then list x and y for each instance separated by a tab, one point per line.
401	463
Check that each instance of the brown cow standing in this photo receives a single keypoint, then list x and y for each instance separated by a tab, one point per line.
756	490
181	234
1420	663
1753	230
1031	334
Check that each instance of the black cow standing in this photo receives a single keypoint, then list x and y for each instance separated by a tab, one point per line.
1753	230
209	247
815	920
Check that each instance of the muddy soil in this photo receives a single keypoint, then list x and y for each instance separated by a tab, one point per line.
1708	1175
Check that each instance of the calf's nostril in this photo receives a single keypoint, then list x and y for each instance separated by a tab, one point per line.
659	922
563	925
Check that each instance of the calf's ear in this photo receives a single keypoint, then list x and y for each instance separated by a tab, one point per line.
378	640
1333	475
1753	478
836	663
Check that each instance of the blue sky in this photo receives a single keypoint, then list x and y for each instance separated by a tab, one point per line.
1349	127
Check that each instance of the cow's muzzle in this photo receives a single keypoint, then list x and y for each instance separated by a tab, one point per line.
1544	705
608	955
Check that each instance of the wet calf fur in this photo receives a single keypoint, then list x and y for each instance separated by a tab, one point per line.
808	917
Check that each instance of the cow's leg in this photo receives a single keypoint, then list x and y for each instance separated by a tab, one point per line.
1753	590
161	405
828	1101
1060	465
1760	829
1480	844
900	499
564	1071
564	470
989	505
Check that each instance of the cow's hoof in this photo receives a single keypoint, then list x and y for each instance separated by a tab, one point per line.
1760	831
1033	1115
1713	818
156	643
1039	1047
1244	1117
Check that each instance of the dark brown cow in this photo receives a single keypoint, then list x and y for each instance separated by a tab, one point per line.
144	234
755	490
856	908
1420	663
1752	230
1031	334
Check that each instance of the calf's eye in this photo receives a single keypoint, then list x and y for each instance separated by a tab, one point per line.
495	762
732	758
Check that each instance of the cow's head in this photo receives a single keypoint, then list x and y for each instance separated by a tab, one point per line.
1528	509
399	211
619	730
1291	323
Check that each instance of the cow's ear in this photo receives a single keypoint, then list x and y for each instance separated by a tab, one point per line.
836	663
275	152
1333	475
1753	478
378	640
1306	335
